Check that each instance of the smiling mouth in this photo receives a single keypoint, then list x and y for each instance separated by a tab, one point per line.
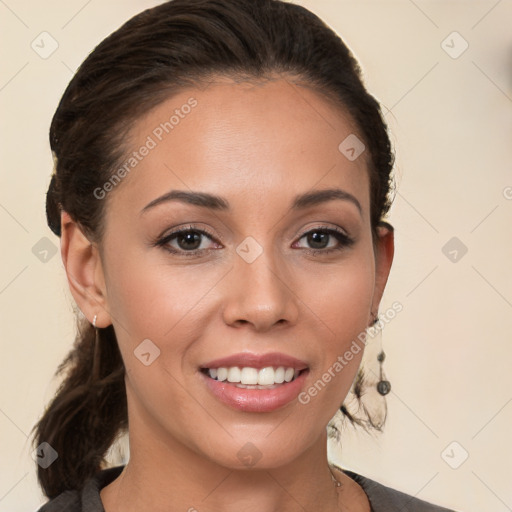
254	378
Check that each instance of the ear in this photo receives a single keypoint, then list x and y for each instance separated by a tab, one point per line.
84	271
384	252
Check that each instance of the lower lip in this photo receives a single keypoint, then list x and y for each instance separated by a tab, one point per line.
256	400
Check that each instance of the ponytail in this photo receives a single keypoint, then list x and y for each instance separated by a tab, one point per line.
87	413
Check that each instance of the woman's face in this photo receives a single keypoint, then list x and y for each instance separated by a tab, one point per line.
283	277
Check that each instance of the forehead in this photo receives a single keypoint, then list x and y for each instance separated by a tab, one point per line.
267	139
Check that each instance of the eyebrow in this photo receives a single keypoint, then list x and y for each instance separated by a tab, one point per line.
219	203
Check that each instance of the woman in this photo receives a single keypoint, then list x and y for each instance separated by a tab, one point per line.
241	128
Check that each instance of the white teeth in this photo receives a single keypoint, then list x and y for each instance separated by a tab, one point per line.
222	374
249	376
266	376
234	374
279	375
253	377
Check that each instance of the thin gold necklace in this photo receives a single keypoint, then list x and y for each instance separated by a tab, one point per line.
336	482
337	486
334	479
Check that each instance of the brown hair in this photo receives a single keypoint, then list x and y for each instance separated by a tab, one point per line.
162	50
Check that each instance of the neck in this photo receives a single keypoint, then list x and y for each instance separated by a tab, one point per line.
166	484
165	474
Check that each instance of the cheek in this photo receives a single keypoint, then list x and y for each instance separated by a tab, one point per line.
167	305
344	307
344	298
151	299
152	309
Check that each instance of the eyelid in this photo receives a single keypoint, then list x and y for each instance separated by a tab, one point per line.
337	229
193	227
344	239
185	228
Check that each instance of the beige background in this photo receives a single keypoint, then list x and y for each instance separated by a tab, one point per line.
449	350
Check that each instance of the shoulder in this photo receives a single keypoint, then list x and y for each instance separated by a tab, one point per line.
68	501
87	499
386	499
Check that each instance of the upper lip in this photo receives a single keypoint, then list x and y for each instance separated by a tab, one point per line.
249	359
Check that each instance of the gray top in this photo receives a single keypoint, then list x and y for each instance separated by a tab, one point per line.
382	498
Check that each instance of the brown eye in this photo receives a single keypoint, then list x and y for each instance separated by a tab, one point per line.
186	242
318	240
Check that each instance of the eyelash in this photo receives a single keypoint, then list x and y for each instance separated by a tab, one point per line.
343	238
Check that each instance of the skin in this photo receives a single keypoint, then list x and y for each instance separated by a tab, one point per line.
258	145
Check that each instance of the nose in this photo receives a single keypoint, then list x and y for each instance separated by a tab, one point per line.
259	294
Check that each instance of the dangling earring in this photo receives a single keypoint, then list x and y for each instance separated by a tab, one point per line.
383	386
368	410
94	320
